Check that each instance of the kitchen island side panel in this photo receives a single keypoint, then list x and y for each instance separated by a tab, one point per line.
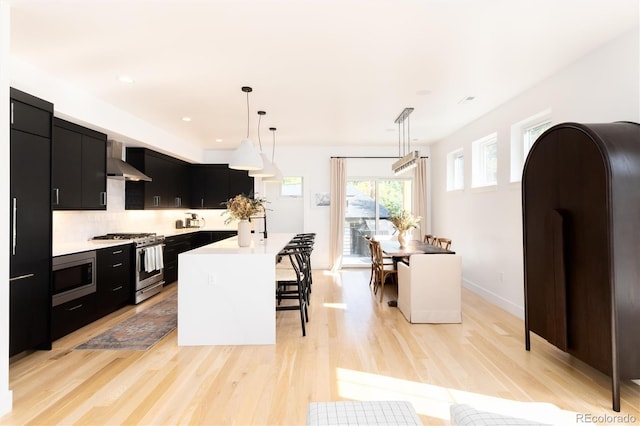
226	294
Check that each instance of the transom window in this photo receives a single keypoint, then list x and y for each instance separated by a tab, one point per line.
455	170
484	167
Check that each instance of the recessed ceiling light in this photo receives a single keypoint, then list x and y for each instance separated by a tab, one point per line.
423	92
391	129
125	79
466	99
187	119
218	140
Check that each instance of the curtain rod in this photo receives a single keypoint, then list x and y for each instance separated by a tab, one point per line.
372	157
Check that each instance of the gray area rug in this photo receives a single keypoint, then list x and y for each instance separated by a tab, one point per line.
141	331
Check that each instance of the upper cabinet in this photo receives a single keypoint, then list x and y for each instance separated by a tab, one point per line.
78	167
177	184
213	184
169	188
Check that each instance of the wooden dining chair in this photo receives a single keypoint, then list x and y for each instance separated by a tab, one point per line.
429	239
445	243
383	270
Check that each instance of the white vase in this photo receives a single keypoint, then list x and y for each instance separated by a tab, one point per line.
402	239
244	233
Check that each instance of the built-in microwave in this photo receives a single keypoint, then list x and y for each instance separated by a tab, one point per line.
74	276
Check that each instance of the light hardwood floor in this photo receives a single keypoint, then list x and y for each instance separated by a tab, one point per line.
355	349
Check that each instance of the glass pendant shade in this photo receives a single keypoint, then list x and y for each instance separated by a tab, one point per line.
266	171
277	176
245	157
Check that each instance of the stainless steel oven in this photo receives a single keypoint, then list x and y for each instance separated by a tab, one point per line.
149	267
74	276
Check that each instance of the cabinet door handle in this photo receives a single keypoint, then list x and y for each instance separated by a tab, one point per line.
116	252
14	227
11	112
117	288
103	198
156	200
177	202
202	202
75	307
21	277
117	265
56	198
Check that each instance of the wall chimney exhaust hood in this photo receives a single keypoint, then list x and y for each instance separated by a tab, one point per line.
119	169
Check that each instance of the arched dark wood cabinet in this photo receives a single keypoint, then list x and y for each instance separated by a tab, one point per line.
581	224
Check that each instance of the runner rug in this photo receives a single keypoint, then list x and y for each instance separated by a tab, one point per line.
141	331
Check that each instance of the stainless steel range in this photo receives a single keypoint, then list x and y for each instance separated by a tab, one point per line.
149	262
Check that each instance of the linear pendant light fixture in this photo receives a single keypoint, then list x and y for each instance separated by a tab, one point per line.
277	177
245	157
407	159
267	168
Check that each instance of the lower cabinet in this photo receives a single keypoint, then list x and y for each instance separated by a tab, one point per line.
73	315
177	244
113	278
113	290
174	245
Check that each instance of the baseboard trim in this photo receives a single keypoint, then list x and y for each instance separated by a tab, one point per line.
6	402
500	301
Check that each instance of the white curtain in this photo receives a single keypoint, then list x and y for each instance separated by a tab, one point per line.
337	205
420	207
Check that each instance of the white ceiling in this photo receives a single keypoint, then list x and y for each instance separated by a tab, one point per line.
326	72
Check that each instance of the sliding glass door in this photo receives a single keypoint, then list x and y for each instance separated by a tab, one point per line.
369	204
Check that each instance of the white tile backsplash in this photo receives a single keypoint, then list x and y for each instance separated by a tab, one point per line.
74	226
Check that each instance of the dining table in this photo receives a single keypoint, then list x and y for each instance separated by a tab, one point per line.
403	254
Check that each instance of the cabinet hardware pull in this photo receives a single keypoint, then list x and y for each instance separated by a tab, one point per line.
11	112
75	307
56	191
103	198
116	265
21	277
14	227
116	252
117	288
202	202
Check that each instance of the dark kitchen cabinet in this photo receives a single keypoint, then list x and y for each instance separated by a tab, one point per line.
79	167
30	223
114	277
177	244
213	184
170	187
174	245
582	246
70	316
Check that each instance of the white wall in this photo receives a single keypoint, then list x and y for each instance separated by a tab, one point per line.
6	401
486	224
313	163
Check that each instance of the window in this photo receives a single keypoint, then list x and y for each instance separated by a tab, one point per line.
291	186
455	170
523	136
369	204
484	165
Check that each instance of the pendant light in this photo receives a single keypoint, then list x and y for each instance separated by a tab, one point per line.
267	168
245	157
407	159
277	177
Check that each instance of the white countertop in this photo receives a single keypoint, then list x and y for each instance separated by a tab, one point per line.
272	246
80	246
59	249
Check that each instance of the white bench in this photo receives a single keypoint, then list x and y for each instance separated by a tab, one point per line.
430	288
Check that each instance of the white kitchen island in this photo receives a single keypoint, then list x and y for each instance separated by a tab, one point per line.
226	293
